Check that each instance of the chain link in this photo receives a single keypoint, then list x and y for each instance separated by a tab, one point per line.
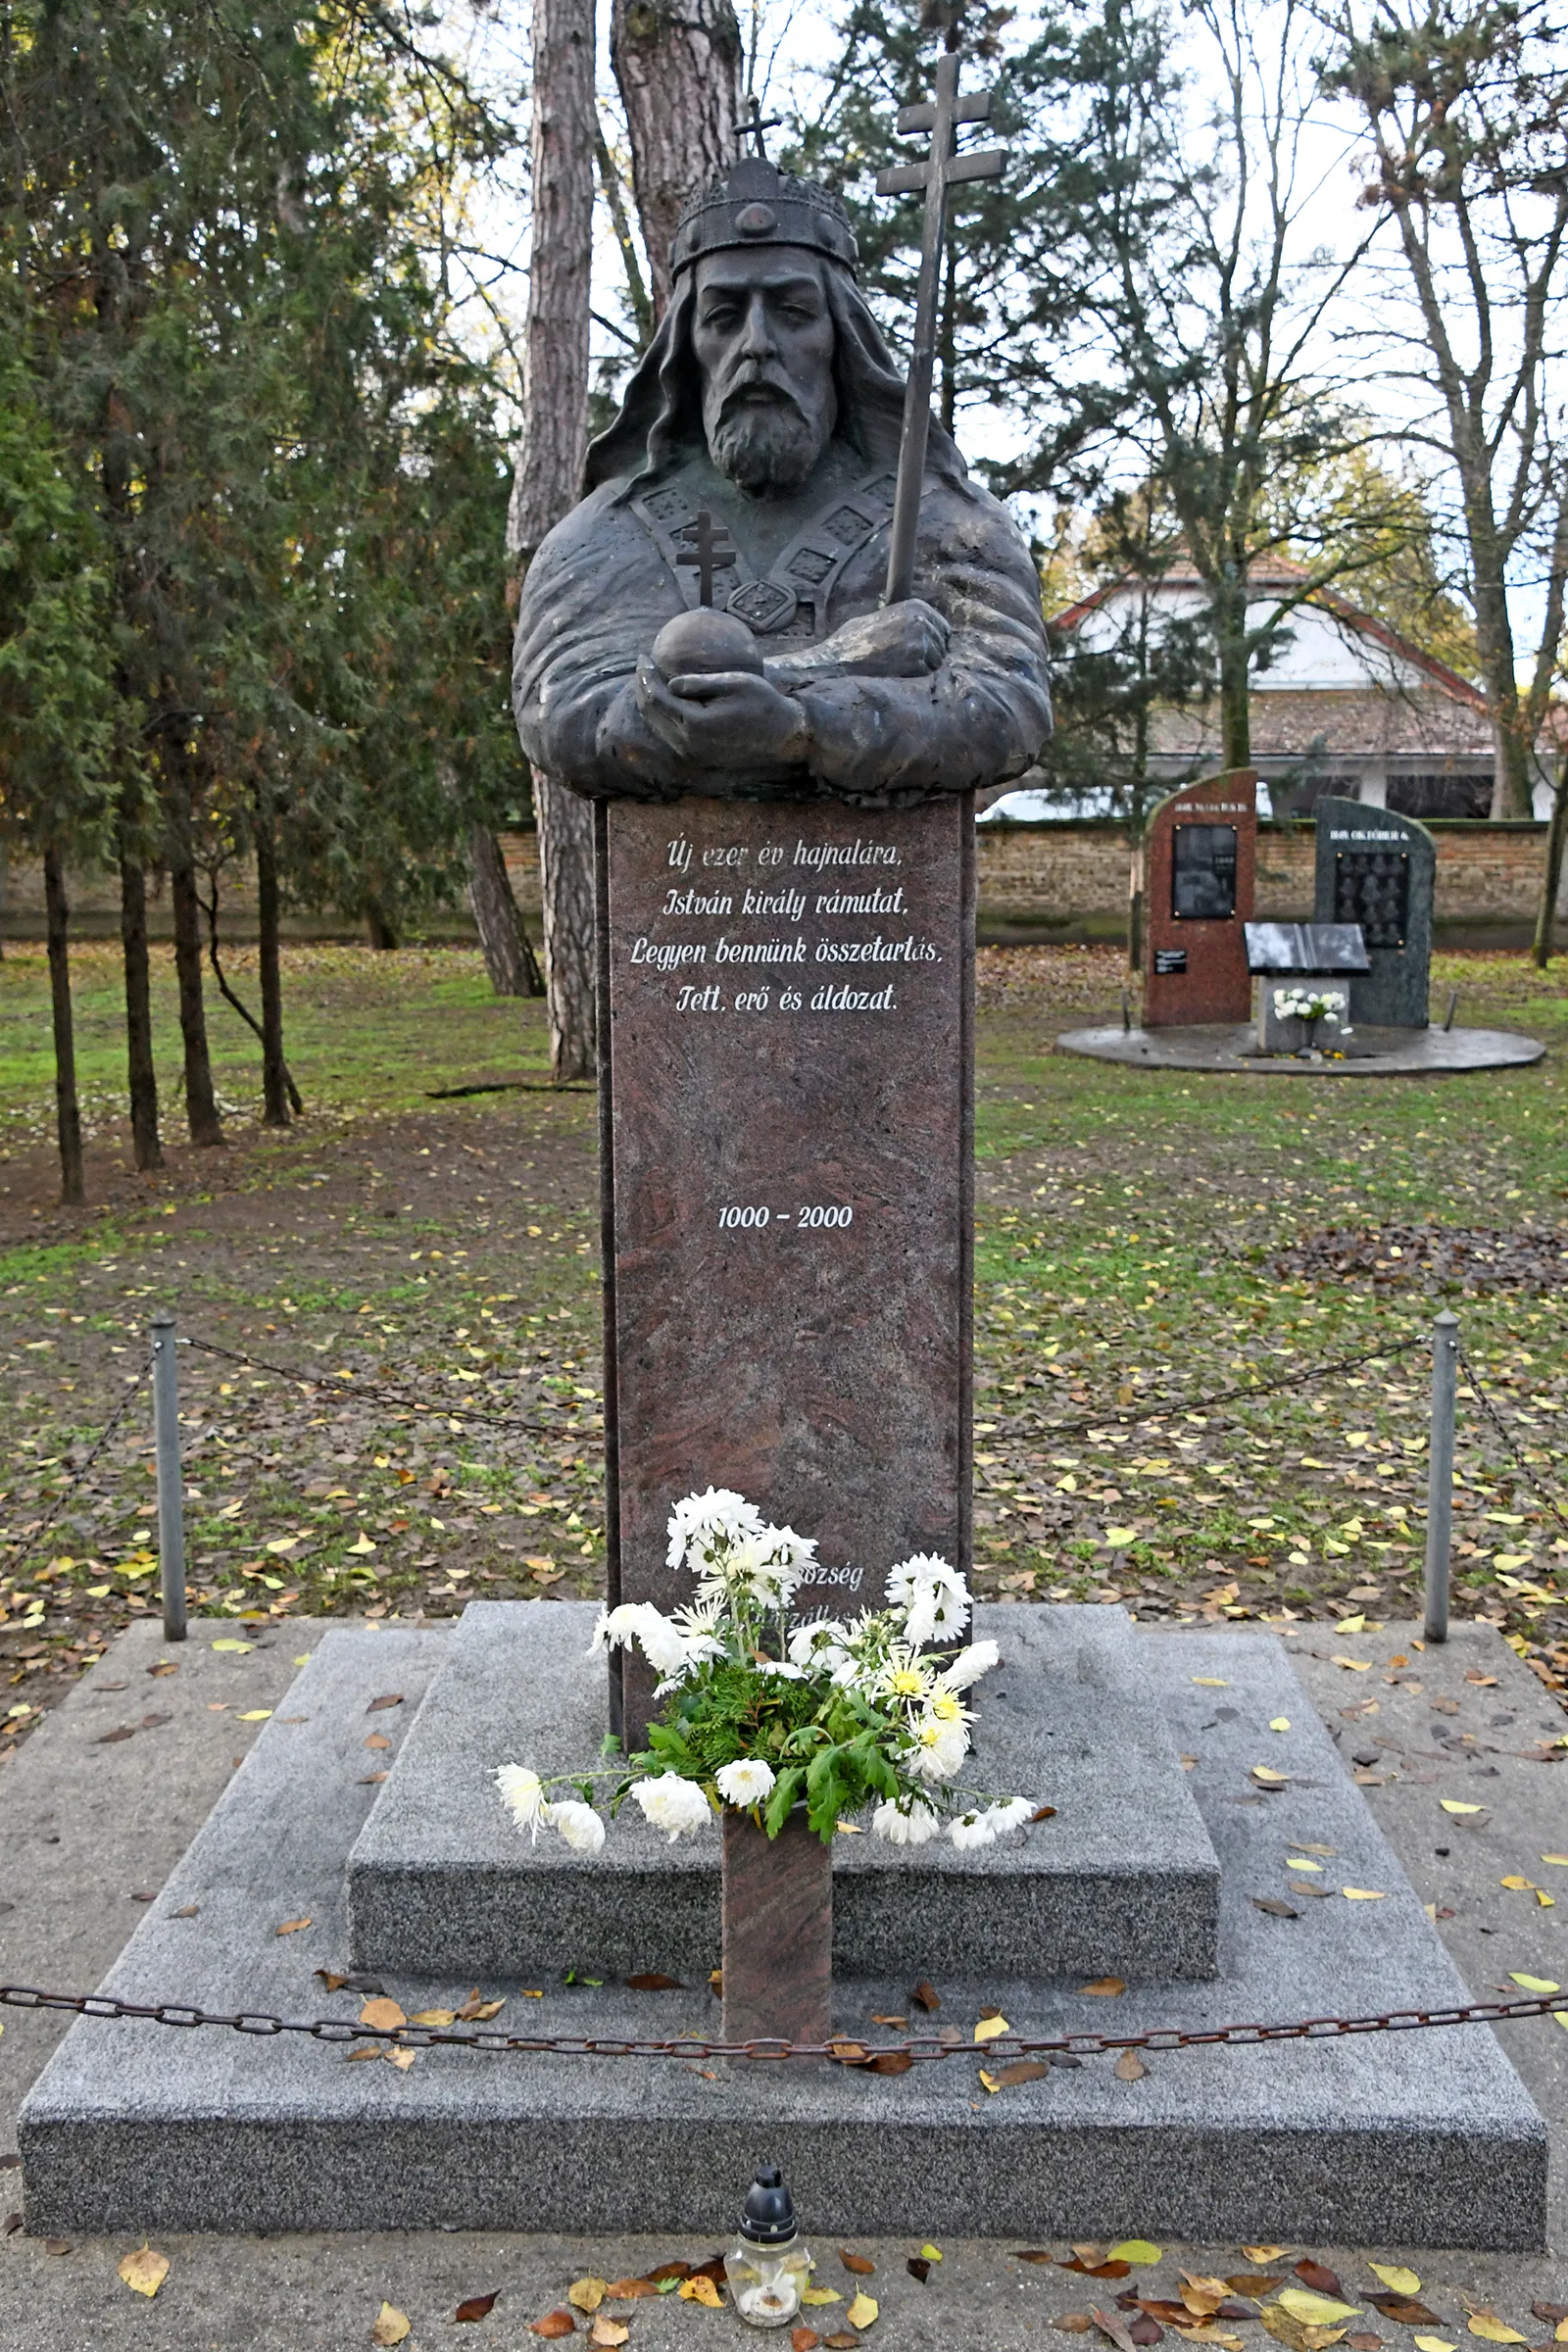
845	2050
378	1395
35	1539
1506	1434
1256	1387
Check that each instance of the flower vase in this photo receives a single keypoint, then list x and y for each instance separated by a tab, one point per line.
777	1931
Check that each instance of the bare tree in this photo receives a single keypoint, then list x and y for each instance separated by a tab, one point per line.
1466	104
679	66
509	958
1196	243
549	471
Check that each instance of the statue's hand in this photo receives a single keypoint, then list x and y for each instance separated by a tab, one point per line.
725	718
908	640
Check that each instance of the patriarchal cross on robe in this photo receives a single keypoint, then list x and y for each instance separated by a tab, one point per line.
707	547
942	170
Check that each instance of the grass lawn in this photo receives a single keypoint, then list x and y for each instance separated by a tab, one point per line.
1148	1243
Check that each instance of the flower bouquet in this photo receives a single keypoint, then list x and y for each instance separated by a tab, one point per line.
1310	1007
769	1711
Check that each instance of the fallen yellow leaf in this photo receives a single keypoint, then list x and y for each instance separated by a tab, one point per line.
1296	1862
931	2253
292	1927
990	2027
1211	1682
1560	1859
701	2291
1494	2331
1400	2281
254	1715
364	1544
586	2293
233	1646
434	2017
384	2015
1269	1777
1351	1624
1279	1723
863	2311
607	2331
1139	2251
1452	1804
391	2326
1356	1665
1321	2311
144	2272
1435	2343
989	2083
1364	1894
820	2294
1263	2253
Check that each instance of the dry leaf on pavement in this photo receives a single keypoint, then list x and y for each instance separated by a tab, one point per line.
1487	2324
553	2323
1129	2068
144	2272
860	2264
383	2015
292	1927
1111	2324
701	2289
863	2311
477	2307
805	2339
391	2326
607	2332
587	2294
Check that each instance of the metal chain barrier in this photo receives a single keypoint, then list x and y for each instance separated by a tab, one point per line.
373	1393
1255	1388
35	1539
1506	1434
845	2050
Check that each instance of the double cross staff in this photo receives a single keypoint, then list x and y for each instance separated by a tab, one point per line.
707	545
941	171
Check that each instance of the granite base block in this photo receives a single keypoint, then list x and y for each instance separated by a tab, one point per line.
1124	1880
1416	2139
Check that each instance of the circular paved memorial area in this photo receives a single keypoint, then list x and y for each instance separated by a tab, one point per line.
1369	1053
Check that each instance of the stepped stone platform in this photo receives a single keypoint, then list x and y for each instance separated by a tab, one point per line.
1369	1051
1397	2139
1122	1881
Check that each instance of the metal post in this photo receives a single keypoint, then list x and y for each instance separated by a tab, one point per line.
1440	1472
170	1478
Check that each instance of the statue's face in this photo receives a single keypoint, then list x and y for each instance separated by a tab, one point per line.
764	337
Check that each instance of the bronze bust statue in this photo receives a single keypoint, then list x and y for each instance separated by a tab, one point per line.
752	468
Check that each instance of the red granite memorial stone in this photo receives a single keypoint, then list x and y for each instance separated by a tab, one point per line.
787	1180
1200	853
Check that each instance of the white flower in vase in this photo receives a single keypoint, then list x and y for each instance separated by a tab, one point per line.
522	1792
671	1804
933	1596
578	1824
969	1665
703	1525
745	1782
914	1826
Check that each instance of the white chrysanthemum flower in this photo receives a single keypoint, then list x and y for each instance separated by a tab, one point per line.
616	1628
701	1526
745	1782
522	1792
670	1803
902	1674
971	1830
940	1746
578	1824
905	1828
932	1595
662	1643
969	1665
1010	1814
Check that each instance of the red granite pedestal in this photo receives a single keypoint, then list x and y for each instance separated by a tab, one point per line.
1199	856
786	1128
777	1931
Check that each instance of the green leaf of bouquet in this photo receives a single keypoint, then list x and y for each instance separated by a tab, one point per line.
781	1804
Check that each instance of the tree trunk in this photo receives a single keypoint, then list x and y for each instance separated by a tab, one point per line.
275	1070
1551	880
550	459
381	927
201	1103
67	1111
507	958
1234	691
679	70
141	1076
566	824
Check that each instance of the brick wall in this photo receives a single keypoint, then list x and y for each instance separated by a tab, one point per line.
1058	881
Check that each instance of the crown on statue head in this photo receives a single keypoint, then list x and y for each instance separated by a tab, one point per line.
752	203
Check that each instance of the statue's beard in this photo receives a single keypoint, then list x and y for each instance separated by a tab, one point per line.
763	446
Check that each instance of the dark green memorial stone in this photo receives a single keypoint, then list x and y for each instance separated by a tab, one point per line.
1377	869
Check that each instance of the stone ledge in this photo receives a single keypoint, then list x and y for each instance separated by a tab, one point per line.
1123	1882
1396	2140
